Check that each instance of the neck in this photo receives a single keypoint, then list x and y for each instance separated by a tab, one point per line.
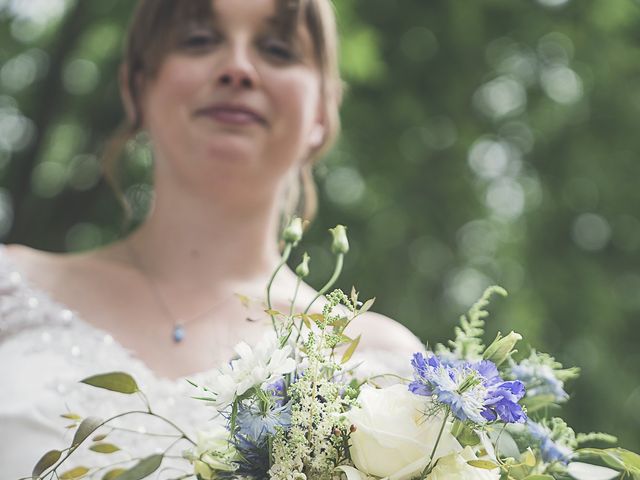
190	242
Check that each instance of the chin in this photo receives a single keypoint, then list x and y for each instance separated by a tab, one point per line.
231	151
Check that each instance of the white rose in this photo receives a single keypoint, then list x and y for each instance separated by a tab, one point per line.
455	467
393	436
213	453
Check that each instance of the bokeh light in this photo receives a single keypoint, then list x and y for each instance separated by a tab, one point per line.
591	232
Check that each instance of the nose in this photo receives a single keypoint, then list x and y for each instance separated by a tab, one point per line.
237	70
235	78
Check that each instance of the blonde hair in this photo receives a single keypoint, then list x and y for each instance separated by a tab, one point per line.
150	39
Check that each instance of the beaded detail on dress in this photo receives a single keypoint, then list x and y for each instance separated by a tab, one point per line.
45	349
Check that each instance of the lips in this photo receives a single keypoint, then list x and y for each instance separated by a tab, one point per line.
233	114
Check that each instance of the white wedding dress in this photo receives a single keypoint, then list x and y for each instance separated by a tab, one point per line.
46	349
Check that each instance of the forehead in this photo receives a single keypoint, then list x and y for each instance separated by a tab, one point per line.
281	14
244	10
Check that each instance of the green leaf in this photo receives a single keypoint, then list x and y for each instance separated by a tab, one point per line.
538	402
340	323
71	416
244	300
345	338
113	474
143	468
486	464
538	477
505	444
205	399
47	460
350	350
606	455
99	438
528	458
104	448
613	461
629	458
367	305
306	321
468	437
77	472
115	381
354	295
86	428
316	317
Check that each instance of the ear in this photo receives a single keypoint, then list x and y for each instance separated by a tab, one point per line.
316	137
319	129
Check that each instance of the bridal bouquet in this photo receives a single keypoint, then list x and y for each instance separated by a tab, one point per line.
295	407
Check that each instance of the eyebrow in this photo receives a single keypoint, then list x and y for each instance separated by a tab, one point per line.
273	21
288	30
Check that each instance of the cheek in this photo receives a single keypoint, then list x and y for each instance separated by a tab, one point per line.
296	100
300	98
170	94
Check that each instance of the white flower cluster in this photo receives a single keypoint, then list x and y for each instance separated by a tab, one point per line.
256	366
312	447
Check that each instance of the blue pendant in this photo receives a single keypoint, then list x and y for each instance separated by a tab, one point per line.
178	333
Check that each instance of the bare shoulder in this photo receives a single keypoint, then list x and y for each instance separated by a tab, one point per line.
382	333
38	265
51	272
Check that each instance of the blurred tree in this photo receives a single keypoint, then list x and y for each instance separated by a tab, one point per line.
484	142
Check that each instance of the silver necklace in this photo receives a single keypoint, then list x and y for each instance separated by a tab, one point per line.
178	329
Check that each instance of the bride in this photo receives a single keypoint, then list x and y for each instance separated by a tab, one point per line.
238	100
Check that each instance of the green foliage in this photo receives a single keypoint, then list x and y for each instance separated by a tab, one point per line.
115	381
485	142
104	448
143	468
468	343
77	472
86	428
48	460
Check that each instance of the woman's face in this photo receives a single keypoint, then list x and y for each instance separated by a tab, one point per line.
235	100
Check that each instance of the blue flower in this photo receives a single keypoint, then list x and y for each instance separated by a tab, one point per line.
278	391
256	424
473	391
458	386
502	402
551	451
542	375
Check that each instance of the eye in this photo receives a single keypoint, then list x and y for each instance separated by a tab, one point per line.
199	40
280	50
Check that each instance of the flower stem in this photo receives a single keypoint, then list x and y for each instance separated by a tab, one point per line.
183	435
430	465
336	273
283	260
291	323
295	295
332	280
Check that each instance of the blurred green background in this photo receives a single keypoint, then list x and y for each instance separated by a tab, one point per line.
485	141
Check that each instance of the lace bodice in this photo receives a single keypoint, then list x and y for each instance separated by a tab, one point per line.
45	349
